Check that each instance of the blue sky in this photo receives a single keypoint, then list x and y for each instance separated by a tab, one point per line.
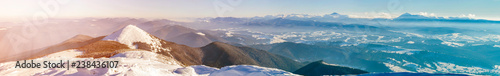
179	9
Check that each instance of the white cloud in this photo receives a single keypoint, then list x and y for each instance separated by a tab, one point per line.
459	16
427	14
468	15
373	15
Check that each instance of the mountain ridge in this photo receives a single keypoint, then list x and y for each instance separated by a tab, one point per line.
318	68
74	42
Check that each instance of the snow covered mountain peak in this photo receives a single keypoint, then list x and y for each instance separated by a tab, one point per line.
131	34
335	13
412	16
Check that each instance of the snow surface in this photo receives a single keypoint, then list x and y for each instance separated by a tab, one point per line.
410	42
452	44
498	46
249	70
438	67
201	34
395	68
131	34
135	63
412	74
147	56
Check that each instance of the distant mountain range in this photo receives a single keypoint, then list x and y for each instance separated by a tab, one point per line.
413	17
184	35
336	17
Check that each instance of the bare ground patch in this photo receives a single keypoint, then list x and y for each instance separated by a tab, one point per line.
102	49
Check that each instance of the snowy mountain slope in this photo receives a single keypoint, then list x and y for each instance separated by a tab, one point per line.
136	38
131	34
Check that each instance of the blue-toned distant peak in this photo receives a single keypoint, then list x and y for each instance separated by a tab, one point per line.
409	15
405	14
335	13
414	16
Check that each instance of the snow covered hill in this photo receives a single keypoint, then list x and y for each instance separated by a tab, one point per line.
136	38
132	34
